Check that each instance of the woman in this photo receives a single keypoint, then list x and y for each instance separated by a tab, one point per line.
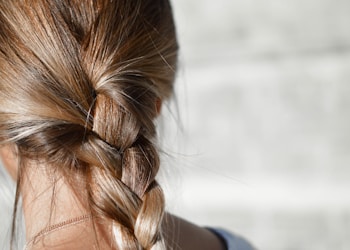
81	84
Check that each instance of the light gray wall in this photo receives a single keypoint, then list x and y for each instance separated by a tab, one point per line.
265	87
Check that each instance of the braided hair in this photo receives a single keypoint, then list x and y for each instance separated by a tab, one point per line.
79	83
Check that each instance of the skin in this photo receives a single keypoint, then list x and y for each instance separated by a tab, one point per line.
38	194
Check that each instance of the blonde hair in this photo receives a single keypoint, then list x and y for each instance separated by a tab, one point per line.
79	83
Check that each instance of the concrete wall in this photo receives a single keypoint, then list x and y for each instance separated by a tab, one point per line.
264	92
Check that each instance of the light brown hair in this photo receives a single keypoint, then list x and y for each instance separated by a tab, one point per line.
79	83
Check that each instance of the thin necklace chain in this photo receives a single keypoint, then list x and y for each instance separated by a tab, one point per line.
56	227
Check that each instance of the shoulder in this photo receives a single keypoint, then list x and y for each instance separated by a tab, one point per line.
232	241
181	234
186	235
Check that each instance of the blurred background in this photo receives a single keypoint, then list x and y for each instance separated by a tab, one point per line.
261	145
264	98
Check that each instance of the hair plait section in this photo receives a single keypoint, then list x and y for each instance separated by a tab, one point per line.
140	208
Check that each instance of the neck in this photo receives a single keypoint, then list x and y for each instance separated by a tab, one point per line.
54	204
47	202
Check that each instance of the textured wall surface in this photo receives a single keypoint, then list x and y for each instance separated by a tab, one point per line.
263	93
264	89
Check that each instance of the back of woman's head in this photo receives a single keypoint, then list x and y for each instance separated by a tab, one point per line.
79	85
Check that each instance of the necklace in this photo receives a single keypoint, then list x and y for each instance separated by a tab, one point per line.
56	227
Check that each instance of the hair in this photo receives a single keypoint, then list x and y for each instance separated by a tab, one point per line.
79	85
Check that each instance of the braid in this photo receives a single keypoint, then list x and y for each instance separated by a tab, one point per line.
138	165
